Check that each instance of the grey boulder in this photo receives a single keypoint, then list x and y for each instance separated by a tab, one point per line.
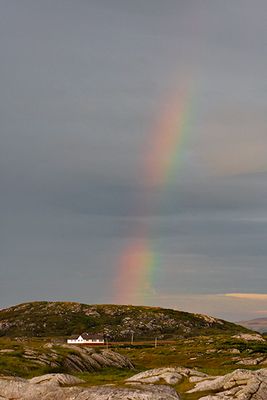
238	385
64	387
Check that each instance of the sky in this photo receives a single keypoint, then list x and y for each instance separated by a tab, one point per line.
83	86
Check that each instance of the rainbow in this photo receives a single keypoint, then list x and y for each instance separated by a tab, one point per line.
167	139
139	261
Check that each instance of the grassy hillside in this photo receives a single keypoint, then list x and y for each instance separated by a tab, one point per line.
214	355
118	322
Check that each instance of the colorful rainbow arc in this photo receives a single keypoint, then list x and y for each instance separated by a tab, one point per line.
139	261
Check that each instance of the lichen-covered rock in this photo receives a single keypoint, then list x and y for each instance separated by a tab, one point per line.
56	379
141	392
238	385
249	337
76	358
52	387
171	375
87	359
252	361
235	351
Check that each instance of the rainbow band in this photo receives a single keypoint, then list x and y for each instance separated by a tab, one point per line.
139	261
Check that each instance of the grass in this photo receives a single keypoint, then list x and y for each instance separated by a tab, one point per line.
106	376
210	354
196	355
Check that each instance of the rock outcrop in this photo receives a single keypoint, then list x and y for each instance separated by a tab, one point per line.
247	337
238	385
171	375
253	361
57	387
56	379
75	358
83	359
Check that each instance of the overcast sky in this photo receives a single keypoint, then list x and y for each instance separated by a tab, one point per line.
82	83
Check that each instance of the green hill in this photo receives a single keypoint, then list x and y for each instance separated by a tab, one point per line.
118	322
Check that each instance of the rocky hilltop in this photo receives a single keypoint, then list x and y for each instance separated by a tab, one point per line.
117	322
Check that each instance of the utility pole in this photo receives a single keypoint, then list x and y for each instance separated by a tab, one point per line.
107	342
156	342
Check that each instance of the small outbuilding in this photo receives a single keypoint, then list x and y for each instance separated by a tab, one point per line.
87	338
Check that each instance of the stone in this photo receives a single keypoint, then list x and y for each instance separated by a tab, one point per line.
238	385
53	387
249	337
56	379
194	379
234	351
7	351
169	375
252	361
77	359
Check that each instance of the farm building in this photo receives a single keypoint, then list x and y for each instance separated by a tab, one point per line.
86	338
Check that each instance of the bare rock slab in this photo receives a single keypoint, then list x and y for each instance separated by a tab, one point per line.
238	385
171	375
57	387
247	337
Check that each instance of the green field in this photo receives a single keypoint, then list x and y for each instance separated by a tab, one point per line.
211	354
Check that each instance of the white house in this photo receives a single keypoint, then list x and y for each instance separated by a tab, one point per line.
86	338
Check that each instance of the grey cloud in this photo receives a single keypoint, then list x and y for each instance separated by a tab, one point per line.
82	86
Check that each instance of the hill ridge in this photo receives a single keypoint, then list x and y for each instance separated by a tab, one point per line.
118	322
